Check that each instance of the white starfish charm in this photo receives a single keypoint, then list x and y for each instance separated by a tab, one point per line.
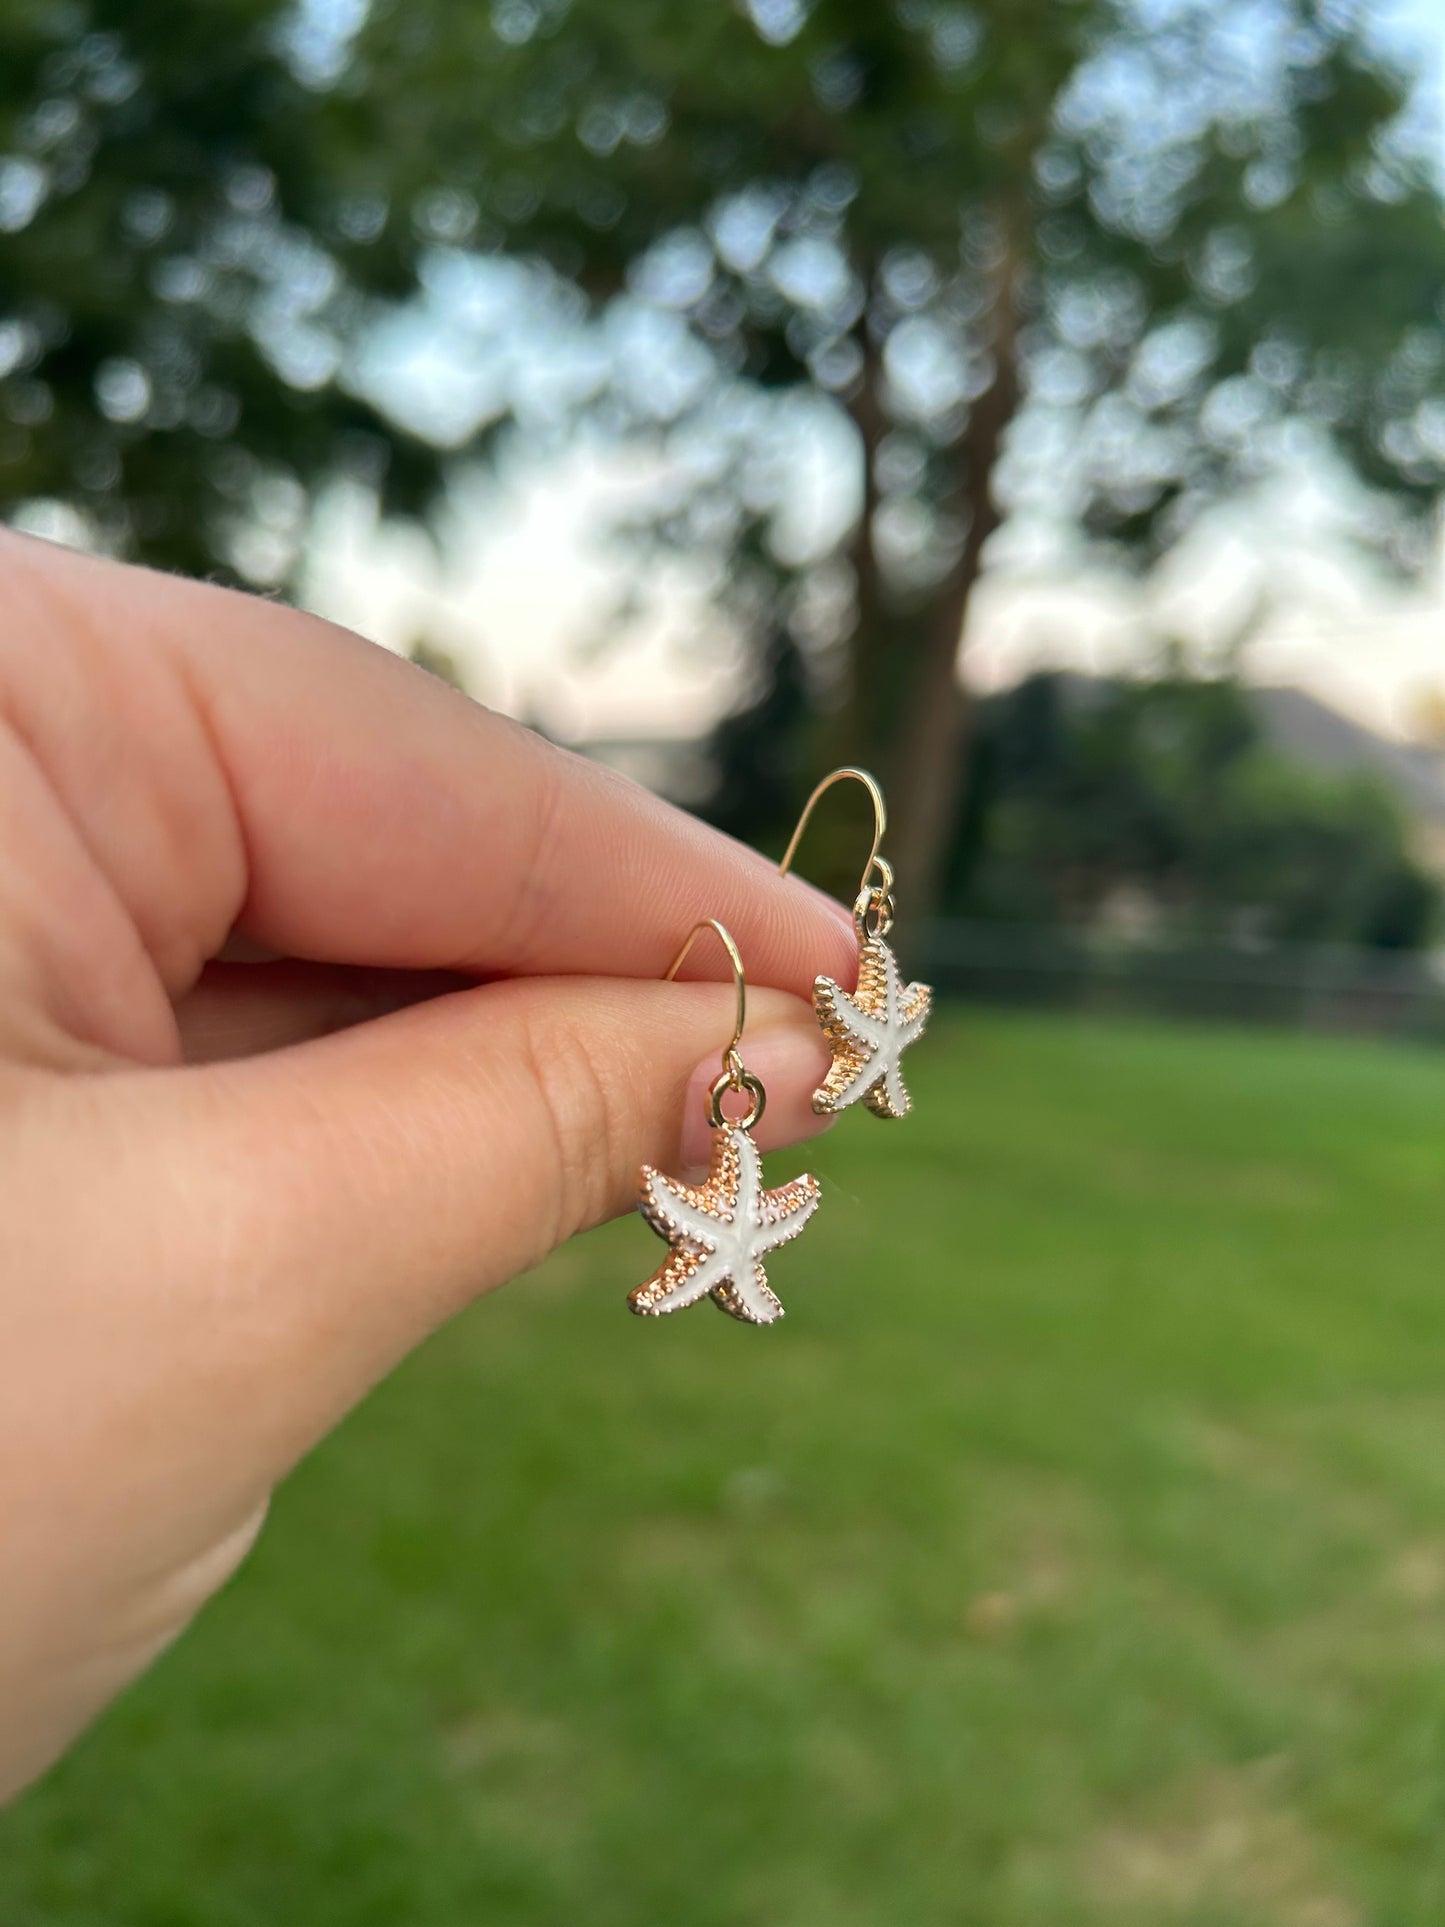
869	1032
720	1232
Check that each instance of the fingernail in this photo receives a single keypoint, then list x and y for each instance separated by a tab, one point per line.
790	1062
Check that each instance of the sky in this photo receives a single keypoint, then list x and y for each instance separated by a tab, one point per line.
522	597
524	615
1420	25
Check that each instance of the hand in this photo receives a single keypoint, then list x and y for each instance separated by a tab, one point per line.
236	1193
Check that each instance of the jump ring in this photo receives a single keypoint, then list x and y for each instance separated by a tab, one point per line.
743	1082
873	913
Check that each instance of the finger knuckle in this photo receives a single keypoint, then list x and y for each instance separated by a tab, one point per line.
579	1118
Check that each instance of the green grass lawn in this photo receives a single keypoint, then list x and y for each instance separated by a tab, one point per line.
1073	1554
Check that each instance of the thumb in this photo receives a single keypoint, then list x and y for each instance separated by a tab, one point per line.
293	1224
242	1250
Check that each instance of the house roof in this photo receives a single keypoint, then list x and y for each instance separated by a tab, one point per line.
1302	727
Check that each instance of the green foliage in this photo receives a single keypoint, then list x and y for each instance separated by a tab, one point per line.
760	773
1165	790
1209	228
437	660
1091	265
187	261
1069	1557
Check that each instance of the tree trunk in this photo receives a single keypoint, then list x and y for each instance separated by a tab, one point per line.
928	766
859	729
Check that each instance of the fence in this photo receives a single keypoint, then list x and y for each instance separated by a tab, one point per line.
1307	986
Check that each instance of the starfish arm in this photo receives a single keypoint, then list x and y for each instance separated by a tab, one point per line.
841	1087
785	1212
914	1014
889	1096
681	1281
867	1026
749	1297
825	992
841	1012
749	1178
868	1073
672	1213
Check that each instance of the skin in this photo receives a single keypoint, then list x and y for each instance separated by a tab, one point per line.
328	1001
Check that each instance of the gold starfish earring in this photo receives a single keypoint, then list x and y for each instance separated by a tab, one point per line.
720	1231
868	1030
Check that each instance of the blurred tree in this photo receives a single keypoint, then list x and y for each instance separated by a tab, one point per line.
437	660
758	750
187	259
1163	796
872	275
1098	262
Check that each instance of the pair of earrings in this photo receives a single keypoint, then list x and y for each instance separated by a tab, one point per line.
720	1231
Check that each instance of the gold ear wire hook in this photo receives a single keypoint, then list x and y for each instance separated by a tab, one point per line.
870	893
739	976
734	1077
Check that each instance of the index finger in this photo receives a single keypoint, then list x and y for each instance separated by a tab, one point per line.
385	819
